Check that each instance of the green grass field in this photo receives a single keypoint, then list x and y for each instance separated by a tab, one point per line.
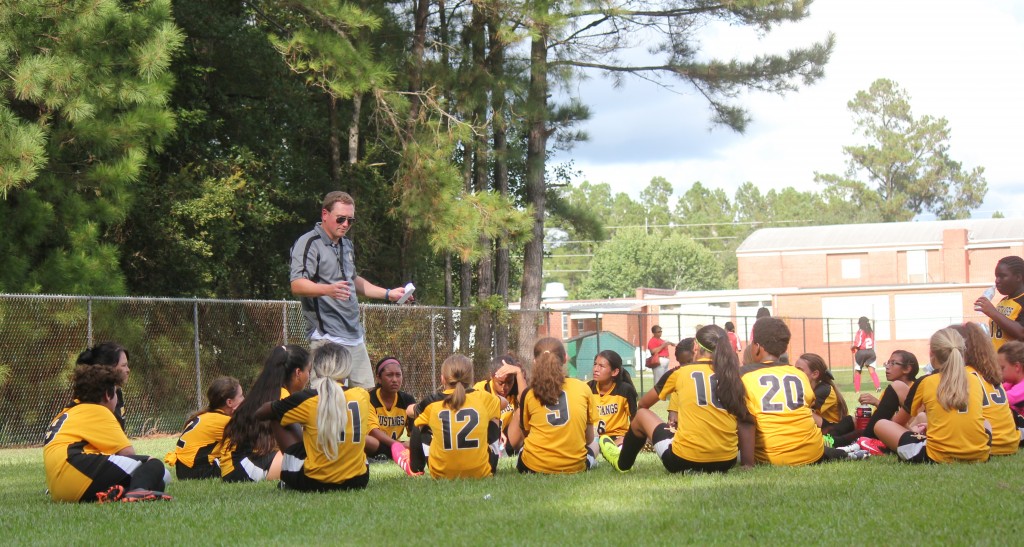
875	501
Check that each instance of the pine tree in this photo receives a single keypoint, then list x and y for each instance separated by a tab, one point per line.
83	103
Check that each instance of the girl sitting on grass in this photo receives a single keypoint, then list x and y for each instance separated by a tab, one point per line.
457	430
193	456
554	424
249	451
388	399
615	394
829	407
951	401
507	382
1011	360
901	372
712	405
983	365
335	422
87	456
112	355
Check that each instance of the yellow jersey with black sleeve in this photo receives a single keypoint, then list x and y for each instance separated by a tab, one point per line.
779	397
616	407
952	435
826	403
391	413
1013	309
995	408
706	431
196	444
301	408
556	434
84	428
511	402
460	444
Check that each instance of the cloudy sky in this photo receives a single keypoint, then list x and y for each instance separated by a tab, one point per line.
961	61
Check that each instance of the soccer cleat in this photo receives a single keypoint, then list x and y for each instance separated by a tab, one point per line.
112	494
610	451
878	389
858	455
874	447
829	441
849	448
144	495
400	454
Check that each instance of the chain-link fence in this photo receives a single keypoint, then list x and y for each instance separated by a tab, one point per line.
177	346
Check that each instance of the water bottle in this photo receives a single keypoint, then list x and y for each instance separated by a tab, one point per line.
989	293
863	416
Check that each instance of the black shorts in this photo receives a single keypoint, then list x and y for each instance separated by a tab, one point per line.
249	467
662	441
522	468
293	474
911	448
105	471
865	357
184	472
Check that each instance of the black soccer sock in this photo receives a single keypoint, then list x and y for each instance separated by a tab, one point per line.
417	460
631	446
148	476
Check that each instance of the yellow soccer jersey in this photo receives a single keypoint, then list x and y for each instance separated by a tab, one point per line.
615	408
952	435
391	420
995	407
84	428
1011	308
510	407
460	439
706	431
197	442
556	435
779	397
826	403
300	408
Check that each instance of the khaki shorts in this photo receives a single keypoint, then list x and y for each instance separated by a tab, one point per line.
362	370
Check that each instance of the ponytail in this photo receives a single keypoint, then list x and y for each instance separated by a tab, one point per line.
457	371
948	351
548	370
331	364
729	389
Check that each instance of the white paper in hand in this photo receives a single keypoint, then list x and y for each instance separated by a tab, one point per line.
409	289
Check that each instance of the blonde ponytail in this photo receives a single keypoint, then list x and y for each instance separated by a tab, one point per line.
331	364
948	351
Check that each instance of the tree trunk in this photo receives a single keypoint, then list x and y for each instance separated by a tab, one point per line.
334	142
353	129
496	60
465	268
485	266
533	254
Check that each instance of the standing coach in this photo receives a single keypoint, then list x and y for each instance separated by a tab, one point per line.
323	274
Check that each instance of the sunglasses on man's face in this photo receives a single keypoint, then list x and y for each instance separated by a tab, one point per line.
342	219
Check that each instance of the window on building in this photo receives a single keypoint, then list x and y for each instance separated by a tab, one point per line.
565	326
851	268
917	266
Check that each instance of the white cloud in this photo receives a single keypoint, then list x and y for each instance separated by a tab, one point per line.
959	61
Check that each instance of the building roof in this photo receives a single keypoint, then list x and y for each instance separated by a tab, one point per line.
886	234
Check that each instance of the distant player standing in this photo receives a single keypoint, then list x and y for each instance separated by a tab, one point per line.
1007	317
864	354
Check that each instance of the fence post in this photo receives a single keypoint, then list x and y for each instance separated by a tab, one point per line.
642	362
195	343
803	323
597	329
284	322
433	350
88	322
828	339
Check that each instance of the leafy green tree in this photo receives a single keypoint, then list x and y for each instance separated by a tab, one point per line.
83	103
634	259
568	38
905	161
656	199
